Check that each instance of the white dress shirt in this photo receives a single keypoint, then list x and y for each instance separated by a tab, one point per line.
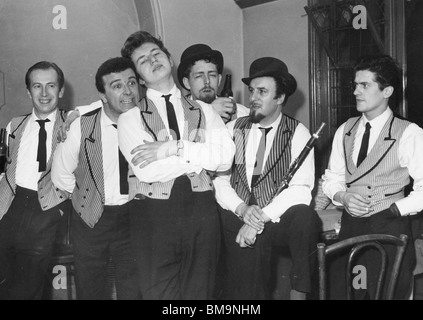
410	155
67	158
27	174
215	154
300	187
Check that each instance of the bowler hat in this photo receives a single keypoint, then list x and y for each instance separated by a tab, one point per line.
198	52
272	67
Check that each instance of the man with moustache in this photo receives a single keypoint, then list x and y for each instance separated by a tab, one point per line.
373	158
90	166
171	143
30	206
200	72
254	218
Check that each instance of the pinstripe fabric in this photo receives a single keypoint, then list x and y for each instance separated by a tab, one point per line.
193	131
88	197
276	165
379	178
48	195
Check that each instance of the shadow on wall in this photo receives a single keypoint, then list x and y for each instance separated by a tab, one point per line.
79	44
297	99
67	102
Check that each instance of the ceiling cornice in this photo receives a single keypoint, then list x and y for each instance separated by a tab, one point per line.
250	3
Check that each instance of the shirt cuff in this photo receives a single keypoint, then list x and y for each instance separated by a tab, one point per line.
403	209
232	206
331	194
273	218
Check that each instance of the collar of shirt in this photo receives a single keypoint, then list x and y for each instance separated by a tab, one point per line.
376	125
274	124
51	117
105	120
154	94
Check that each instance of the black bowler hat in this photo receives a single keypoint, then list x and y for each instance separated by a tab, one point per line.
272	67
198	52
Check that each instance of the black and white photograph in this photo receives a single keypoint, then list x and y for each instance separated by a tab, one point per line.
211	156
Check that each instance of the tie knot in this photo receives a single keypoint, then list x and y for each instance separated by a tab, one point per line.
42	122
167	97
368	126
114	125
265	130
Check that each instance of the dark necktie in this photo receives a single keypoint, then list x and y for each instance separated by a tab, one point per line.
171	118
42	148
258	166
123	172
364	145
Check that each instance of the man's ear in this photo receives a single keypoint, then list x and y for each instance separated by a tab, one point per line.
186	83
281	99
103	97
142	82
388	91
62	92
29	94
219	79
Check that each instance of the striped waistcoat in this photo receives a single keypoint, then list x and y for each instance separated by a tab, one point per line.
48	195
379	178
193	131
276	165
88	197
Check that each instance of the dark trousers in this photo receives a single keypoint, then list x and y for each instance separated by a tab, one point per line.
177	243
248	270
27	235
382	223
93	249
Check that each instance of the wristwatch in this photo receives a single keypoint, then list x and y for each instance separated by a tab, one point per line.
179	146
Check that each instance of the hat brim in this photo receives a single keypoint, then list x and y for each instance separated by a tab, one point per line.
216	55
291	82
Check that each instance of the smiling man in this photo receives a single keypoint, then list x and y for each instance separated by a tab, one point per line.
373	158
90	166
254	218
30	206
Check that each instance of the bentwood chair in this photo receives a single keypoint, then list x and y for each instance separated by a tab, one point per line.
357	244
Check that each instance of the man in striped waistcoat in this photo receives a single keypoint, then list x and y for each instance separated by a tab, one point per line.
255	218
373	158
172	142
90	166
30	206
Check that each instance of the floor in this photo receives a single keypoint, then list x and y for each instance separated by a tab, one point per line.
281	290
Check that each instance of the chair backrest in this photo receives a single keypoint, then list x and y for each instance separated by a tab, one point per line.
357	244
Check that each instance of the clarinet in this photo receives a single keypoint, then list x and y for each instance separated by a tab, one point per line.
298	161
